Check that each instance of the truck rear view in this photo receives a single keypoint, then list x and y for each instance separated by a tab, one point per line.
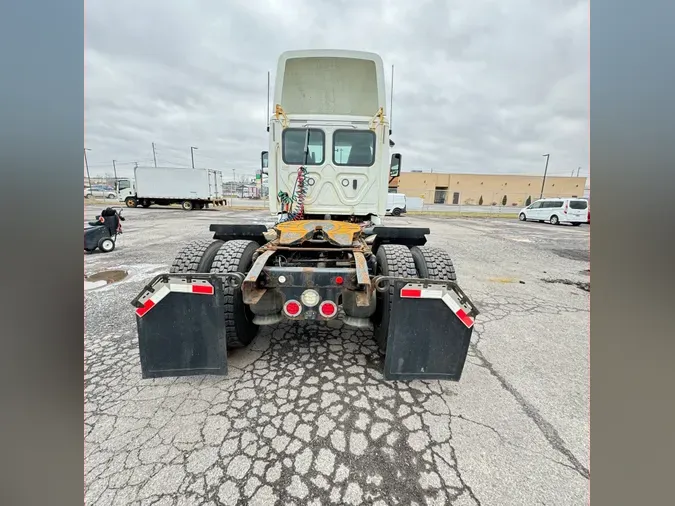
328	256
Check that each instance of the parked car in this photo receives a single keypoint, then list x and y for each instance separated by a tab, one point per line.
396	204
100	191
557	211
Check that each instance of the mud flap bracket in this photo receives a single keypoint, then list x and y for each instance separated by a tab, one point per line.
430	329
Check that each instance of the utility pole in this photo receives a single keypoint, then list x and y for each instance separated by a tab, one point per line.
154	155
192	155
578	170
541	195
86	163
115	171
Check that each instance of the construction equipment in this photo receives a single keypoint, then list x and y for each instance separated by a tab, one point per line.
328	256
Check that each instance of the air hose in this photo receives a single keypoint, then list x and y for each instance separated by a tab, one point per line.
297	197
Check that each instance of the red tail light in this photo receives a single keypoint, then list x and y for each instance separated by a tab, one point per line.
292	308
328	309
565	210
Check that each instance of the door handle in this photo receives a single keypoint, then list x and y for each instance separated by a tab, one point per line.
354	183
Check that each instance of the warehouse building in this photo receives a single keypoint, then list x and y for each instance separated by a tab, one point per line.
484	189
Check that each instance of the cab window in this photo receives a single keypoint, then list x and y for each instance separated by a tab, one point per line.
293	151
355	148
123	184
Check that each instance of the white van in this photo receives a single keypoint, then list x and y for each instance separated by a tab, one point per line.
557	210
396	204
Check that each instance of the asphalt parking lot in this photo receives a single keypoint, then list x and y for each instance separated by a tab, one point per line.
305	418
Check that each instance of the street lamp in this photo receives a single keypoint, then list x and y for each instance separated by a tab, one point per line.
192	154
541	195
86	163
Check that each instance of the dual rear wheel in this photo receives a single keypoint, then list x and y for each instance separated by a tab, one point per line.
218	257
400	261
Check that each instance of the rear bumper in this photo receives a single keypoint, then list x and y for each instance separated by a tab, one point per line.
267	293
573	219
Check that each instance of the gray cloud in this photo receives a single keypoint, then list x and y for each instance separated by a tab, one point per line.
479	86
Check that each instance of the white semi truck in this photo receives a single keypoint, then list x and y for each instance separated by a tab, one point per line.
329	255
191	188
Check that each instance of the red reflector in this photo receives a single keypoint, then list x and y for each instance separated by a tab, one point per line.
411	292
292	308
147	306
466	319
208	289
339	280
327	309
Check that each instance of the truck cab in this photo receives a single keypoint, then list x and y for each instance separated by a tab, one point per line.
330	117
125	188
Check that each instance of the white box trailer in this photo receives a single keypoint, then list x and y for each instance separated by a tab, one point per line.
191	188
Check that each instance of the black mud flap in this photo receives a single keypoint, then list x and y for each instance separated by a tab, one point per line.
181	327
430	329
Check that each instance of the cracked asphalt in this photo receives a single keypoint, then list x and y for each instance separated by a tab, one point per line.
304	416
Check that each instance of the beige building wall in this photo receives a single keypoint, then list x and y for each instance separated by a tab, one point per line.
467	189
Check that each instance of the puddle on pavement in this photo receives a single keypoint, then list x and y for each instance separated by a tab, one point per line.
582	285
103	278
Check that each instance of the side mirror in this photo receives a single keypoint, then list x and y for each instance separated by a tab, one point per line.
264	161
395	165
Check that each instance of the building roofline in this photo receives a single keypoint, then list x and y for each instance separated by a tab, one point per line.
490	174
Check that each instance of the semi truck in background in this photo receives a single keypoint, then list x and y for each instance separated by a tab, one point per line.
163	186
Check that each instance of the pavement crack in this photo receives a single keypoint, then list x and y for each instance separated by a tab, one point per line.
509	443
549	432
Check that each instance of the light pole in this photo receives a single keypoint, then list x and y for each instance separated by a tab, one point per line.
86	163
541	195
192	154
115	172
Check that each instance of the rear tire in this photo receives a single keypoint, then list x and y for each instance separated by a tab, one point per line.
195	257
236	256
433	263
187	205
392	260
576	224
145	203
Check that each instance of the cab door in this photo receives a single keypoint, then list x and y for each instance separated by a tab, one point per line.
535	211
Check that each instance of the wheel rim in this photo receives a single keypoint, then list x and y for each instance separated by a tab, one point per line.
554	220
107	244
522	217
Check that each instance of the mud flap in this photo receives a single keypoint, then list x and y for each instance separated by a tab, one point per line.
430	329
181	328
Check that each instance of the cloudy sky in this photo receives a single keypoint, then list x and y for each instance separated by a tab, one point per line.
481	86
